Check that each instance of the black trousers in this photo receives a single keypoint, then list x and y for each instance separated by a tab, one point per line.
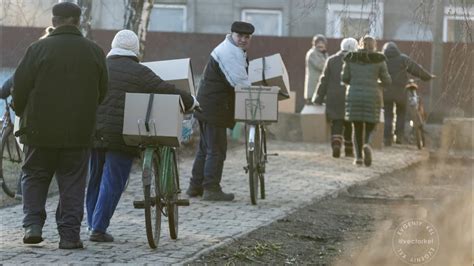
361	137
70	167
401	109
342	127
209	162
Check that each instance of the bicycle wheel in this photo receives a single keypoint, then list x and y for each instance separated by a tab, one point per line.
263	160
172	206
11	162
253	159
152	202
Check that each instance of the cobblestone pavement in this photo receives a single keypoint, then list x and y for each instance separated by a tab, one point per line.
300	174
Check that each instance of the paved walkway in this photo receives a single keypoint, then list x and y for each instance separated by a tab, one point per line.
301	173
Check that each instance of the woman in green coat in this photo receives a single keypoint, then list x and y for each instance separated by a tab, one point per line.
362	71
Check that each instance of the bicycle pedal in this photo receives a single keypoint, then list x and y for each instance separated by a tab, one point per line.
139	204
246	168
272	154
182	202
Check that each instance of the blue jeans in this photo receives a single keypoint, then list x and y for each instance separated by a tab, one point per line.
109	171
210	157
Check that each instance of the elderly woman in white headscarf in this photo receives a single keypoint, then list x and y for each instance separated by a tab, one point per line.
111	159
331	91
315	59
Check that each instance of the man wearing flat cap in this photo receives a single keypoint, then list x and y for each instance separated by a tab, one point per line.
227	67
58	85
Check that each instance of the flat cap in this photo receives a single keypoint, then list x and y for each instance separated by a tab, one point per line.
242	27
66	9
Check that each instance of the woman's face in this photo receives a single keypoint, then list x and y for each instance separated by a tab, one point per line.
242	40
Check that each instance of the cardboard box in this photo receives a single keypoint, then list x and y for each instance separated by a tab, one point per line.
16	127
275	73
166	119
177	72
288	105
256	103
314	124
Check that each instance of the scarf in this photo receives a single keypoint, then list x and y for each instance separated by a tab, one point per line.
232	62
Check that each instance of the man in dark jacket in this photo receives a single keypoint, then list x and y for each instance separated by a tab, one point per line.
399	65
111	158
58	85
333	91
226	68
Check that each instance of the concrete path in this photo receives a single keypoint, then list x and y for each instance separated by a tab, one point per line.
301	173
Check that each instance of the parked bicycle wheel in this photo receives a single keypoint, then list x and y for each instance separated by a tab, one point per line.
11	162
151	164
253	157
263	160
168	188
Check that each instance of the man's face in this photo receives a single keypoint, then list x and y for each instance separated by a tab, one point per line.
242	40
321	46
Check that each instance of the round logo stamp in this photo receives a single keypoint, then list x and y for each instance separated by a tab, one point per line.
415	241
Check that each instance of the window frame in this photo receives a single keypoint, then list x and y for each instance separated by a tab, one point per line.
265	11
333	18
458	14
174	6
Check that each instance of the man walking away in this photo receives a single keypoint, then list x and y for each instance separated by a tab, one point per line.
399	65
58	85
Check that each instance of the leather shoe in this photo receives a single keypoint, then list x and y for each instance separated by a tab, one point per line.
194	192
33	234
100	237
66	244
219	195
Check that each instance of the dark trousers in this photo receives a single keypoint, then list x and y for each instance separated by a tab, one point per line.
342	127
70	167
109	171
210	157
361	137
401	108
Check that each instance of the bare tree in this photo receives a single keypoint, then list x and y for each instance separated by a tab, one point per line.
86	18
137	17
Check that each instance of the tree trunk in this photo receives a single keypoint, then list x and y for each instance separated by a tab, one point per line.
137	17
86	18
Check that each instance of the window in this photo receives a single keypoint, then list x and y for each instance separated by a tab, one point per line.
457	22
266	22
354	20
168	18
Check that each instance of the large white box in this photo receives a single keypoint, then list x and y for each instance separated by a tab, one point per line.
275	73
256	103
288	105
177	72
314	124
166	119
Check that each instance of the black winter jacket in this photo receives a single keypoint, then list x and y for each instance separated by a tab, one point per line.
58	85
331	89
399	65
126	74
216	97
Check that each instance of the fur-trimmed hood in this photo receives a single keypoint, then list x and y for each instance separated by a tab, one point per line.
362	56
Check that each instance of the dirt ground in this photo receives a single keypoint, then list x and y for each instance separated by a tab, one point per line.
358	226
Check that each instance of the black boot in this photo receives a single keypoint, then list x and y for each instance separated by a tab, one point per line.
217	195
336	143
367	155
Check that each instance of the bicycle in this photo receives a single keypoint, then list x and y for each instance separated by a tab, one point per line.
12	157
161	189
416	113
256	140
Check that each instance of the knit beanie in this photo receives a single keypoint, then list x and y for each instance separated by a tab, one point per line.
127	40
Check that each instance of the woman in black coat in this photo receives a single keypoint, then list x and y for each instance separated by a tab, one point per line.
333	92
111	159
